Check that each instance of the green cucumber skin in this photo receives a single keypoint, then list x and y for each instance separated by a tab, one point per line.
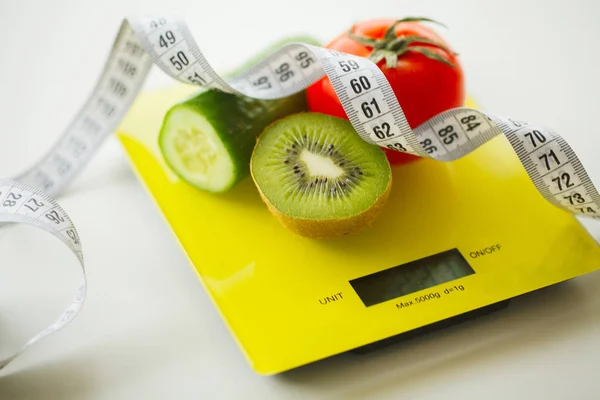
239	120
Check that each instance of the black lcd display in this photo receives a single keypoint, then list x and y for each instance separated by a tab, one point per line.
411	277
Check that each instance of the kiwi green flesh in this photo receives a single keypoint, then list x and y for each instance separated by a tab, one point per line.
314	166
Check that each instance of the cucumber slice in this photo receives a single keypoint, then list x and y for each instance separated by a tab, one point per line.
208	139
193	149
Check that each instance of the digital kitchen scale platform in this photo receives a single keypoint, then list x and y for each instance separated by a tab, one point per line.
454	237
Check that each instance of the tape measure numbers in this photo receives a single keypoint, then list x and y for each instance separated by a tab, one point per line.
363	90
21	203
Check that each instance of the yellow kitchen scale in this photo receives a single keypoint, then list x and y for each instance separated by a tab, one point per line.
455	238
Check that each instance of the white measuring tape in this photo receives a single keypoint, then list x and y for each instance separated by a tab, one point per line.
362	88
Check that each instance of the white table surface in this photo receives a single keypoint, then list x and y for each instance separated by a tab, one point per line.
149	331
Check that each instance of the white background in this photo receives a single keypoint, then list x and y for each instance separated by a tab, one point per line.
149	331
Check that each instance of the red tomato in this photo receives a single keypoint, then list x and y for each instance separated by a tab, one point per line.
423	84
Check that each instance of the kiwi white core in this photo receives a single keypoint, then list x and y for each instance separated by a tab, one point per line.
318	165
192	147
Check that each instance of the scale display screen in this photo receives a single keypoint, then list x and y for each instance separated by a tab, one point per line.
411	277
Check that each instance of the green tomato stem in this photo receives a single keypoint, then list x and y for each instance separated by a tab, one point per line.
390	47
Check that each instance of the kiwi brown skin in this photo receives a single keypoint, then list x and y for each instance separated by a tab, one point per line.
325	228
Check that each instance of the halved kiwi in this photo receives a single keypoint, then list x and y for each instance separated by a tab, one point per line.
318	176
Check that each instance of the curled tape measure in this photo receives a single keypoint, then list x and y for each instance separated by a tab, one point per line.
362	88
